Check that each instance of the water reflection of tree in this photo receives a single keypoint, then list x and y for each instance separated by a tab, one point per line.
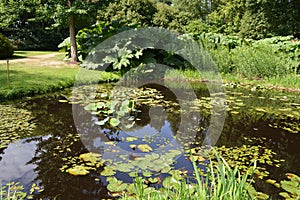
62	141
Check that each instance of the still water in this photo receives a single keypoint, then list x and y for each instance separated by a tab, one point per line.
264	118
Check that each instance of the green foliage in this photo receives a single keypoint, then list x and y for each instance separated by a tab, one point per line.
131	12
21	23
270	57
169	17
89	38
59	11
6	49
256	19
287	48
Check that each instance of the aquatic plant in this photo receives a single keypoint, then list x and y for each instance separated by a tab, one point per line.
15	123
220	182
12	191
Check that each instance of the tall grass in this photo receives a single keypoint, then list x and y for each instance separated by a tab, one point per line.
12	191
220	183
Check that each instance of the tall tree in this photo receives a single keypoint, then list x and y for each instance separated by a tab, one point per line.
74	14
20	23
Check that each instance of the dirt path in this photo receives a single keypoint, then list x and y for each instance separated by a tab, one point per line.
42	60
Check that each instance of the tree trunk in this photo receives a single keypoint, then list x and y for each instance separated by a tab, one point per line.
74	54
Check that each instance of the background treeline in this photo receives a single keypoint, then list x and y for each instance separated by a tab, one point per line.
31	24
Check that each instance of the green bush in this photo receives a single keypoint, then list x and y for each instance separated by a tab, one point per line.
6	49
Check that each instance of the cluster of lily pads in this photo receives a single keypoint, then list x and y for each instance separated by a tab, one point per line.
15	123
291	186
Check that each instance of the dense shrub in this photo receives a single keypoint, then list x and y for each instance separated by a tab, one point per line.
286	47
270	57
6	49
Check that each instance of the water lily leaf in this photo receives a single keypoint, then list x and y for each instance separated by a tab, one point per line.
131	139
102	122
290	187
118	186
63	101
271	181
147	174
293	177
78	170
285	195
153	180
125	167
91	107
108	172
144	148
93	158
128	126
114	122
100	105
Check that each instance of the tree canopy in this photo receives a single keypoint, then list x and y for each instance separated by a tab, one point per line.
41	24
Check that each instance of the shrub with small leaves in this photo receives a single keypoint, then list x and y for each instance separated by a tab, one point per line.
6	49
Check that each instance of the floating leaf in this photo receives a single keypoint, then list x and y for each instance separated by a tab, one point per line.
144	148
114	122
108	172
78	170
147	174
102	122
93	158
131	139
118	186
91	107
153	180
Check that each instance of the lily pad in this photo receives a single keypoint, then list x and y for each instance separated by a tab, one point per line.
78	170
144	148
114	122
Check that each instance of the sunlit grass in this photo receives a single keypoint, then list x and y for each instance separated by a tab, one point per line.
289	81
39	77
33	53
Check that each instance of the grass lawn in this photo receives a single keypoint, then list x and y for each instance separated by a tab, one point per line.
32	53
27	79
35	76
42	75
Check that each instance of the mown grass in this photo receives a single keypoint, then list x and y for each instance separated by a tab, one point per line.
38	77
28	79
33	53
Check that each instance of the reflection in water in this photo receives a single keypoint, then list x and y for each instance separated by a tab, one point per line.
14	165
40	158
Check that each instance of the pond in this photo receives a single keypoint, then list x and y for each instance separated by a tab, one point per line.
147	137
